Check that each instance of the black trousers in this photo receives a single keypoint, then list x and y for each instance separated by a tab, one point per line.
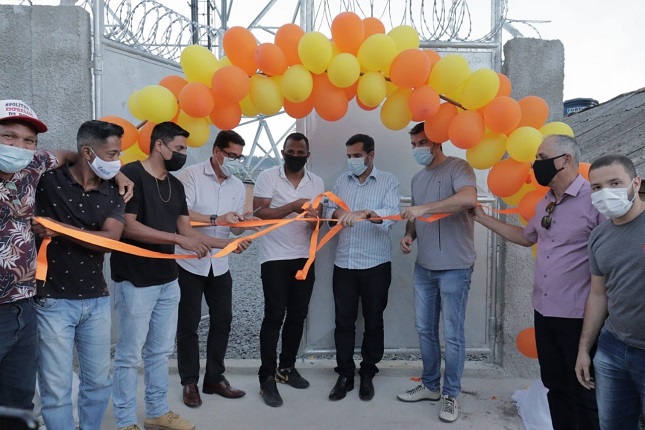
370	286
572	406
218	293
283	295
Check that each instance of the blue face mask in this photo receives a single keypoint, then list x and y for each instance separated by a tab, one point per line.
14	159
422	155
356	166
230	167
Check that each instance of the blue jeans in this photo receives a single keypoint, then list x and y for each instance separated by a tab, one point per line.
18	354
442	292
63	324
148	323
620	383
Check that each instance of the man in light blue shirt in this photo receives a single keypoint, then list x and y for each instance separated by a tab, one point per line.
362	268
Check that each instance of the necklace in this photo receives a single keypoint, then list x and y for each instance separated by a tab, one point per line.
157	183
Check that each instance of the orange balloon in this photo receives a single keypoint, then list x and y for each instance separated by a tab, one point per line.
505	87
196	99
436	126
145	135
466	129
226	115
363	106
432	55
410	69
424	102
526	343
329	101
239	47
350	92
528	202
299	110
507	177
372	26
174	83
583	169
230	83
270	59
535	112
347	32
287	38
502	115
130	132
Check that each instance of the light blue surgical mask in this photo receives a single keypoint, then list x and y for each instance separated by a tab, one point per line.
14	159
230	167
356	166
422	155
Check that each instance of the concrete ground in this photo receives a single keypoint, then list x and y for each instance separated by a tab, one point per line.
485	402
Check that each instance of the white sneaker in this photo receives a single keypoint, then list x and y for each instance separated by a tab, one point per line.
449	411
418	393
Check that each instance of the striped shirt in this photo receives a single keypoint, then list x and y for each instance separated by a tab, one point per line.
366	244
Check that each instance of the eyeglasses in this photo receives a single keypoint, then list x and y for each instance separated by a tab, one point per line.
546	219
233	157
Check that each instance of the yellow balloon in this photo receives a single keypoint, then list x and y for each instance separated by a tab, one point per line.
133	153
556	127
343	71
372	89
265	95
514	200
199	64
247	107
395	112
157	103
197	127
480	88
522	144
377	52
133	106
296	84
449	73
405	37
224	61
486	153
391	87
315	52
533	248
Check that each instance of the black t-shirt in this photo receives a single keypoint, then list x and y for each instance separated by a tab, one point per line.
75	272
157	204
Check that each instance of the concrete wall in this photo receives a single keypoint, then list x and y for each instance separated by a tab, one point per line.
535	67
46	62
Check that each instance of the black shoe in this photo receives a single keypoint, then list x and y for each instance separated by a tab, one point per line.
366	391
290	376
269	392
343	385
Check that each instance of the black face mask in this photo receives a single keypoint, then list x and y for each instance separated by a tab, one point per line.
545	170
293	163
176	162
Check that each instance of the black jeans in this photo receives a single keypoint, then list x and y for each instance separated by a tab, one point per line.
572	406
283	294
218	293
370	286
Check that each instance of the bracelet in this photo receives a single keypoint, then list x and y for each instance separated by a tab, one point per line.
369	214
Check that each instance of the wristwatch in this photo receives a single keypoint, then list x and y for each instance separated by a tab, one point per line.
213	219
369	214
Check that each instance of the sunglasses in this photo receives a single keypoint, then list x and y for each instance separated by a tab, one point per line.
546	219
13	193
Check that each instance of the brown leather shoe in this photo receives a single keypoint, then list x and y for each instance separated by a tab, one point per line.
224	389
191	396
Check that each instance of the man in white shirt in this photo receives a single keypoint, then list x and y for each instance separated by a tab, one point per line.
214	195
280	192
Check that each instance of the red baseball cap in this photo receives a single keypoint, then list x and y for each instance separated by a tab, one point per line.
17	109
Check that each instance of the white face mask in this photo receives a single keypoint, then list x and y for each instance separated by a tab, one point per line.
14	159
230	167
104	169
612	202
356	166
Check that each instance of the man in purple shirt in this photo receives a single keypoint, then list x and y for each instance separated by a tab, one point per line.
561	226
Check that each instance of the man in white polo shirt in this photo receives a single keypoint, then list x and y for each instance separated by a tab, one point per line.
280	192
214	195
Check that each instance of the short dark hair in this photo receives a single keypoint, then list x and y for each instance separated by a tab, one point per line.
224	137
418	128
609	159
297	137
93	133
368	142
166	131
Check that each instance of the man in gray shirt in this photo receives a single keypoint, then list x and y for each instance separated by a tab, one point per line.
616	302
443	268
